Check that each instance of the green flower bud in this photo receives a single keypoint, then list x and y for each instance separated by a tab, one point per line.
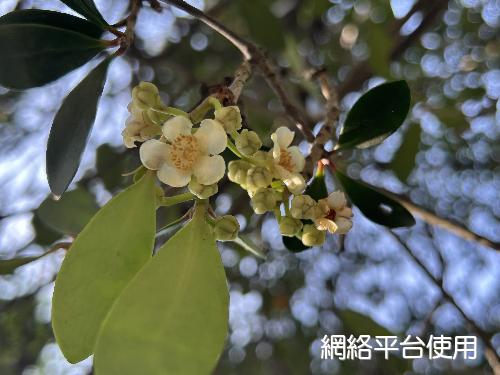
146	95
312	236
258	177
304	207
226	228
289	226
237	172
202	191
263	156
263	200
248	142
230	118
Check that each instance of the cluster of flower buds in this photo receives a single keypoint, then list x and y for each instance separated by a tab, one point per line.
187	154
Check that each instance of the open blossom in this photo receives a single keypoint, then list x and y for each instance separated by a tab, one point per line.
187	154
288	160
337	216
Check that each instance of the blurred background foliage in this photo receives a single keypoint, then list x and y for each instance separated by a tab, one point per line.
445	158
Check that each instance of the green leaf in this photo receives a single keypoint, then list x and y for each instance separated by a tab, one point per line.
54	19
381	45
294	244
374	205
110	165
376	115
87	9
69	132
105	256
34	55
317	188
404	160
70	214
173	317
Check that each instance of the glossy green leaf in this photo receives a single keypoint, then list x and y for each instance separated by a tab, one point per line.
376	115
105	256
404	160
70	214
294	244
69	132
33	55
374	205
87	9
173	317
317	187
358	324
54	19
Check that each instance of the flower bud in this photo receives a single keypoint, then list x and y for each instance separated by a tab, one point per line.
138	131
263	200
289	226
248	142
146	95
295	183
226	228
202	191
304	207
258	177
237	172
263	156
312	236
229	117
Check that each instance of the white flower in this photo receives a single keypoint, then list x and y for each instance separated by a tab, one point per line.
288	161
337	216
137	128
187	154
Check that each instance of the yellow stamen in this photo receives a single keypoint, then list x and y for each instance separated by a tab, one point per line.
184	152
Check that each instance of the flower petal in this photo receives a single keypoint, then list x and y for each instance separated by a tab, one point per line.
325	224
178	125
298	159
345	212
295	183
337	200
283	136
209	169
173	177
211	137
343	224
154	154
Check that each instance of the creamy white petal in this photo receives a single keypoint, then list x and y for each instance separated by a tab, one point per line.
283	136
343	224
173	177
209	169
295	183
211	137
325	224
178	125
345	212
298	159
153	154
337	200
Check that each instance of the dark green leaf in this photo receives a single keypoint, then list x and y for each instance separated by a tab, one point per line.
374	205
172	318
404	160
381	45
9	265
110	165
54	19
317	188
44	235
376	115
87	9
70	214
103	259
71	129
294	244
33	55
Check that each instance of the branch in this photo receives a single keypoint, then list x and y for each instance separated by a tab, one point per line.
259	58
241	76
490	352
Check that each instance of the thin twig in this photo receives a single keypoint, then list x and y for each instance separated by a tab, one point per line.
490	352
241	76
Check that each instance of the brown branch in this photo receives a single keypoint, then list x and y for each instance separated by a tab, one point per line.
259	58
490	353
241	76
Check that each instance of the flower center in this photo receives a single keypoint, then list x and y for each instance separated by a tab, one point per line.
286	160
184	152
331	215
